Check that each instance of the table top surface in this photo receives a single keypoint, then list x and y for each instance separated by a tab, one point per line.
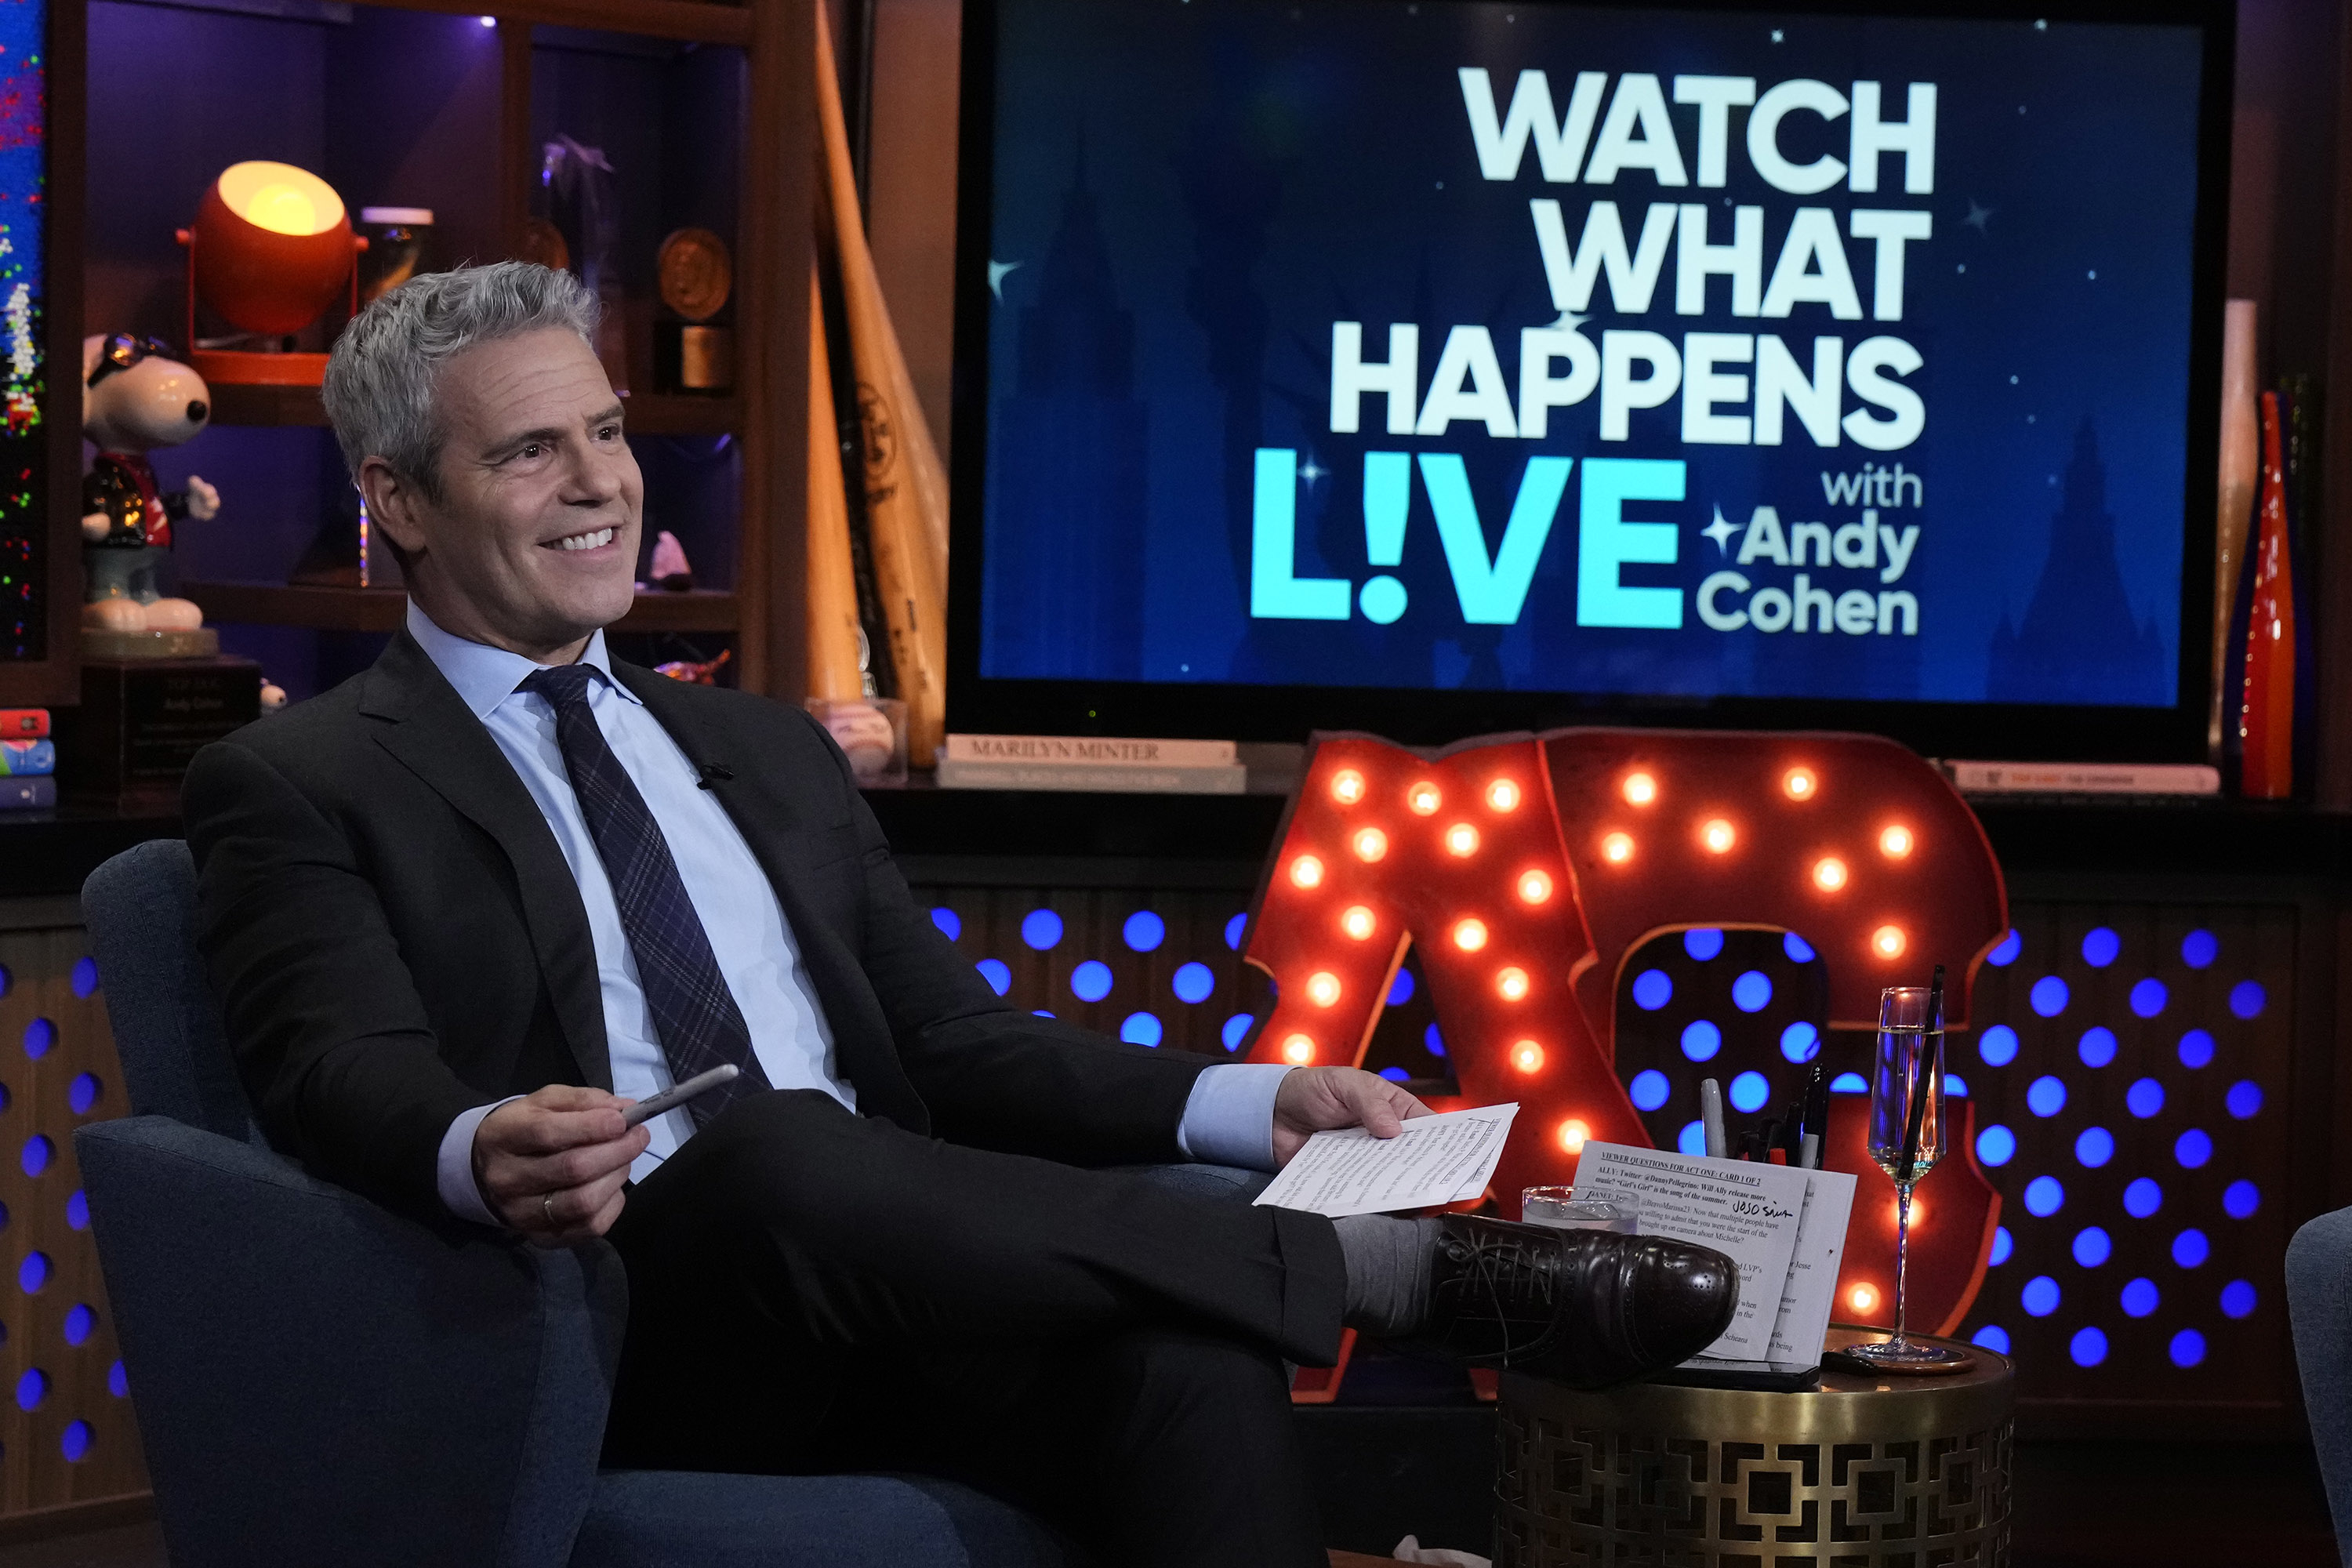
1984	1369
1846	1405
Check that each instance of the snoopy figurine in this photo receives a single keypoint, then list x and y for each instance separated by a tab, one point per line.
135	398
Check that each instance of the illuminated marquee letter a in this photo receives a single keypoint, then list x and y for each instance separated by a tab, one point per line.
1458	853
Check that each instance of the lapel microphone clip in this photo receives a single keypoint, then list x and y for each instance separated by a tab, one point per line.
715	774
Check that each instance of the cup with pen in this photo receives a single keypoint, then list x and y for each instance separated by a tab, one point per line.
1907	1130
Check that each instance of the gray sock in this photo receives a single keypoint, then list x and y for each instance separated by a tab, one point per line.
1387	1271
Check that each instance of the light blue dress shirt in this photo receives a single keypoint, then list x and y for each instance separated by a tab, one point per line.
1229	1118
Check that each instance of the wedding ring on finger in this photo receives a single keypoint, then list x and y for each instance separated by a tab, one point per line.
547	1207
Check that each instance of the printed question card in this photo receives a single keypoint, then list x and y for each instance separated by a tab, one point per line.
1440	1159
1810	1299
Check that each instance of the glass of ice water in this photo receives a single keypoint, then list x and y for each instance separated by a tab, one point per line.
1560	1208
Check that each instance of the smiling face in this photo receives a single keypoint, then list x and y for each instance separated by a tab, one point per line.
532	543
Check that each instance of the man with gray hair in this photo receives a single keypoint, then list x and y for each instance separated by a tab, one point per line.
465	910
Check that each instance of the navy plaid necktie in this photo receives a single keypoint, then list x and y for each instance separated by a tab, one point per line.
694	1012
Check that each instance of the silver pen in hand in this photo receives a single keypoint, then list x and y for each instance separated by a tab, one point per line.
679	1094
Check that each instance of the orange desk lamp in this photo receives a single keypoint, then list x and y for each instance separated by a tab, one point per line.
271	247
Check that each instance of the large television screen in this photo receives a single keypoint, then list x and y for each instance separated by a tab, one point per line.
1431	365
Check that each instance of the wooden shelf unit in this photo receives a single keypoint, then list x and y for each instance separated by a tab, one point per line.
766	416
649	413
337	609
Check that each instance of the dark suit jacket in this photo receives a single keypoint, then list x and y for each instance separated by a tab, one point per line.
395	937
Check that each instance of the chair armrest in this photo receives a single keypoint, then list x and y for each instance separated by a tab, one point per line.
2319	1305
319	1380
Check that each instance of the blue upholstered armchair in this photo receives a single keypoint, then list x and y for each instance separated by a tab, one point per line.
320	1380
2319	1304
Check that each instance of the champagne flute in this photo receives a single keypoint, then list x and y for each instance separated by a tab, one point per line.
1907	1130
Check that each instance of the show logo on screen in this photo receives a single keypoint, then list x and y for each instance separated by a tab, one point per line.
1553	349
1730	388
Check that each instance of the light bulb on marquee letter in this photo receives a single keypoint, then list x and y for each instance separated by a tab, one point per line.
1371	844
1470	935
1307	871
1512	984
1718	835
1887	942
1423	799
1896	842
1640	789
1799	784
1617	848
1323	988
1347	786
1358	922
1829	874
1573	1135
1298	1050
1527	1056
1535	887
1503	795
1462	839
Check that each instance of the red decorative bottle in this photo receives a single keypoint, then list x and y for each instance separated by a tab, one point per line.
2266	716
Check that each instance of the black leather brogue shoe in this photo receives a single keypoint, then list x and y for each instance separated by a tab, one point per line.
1586	1307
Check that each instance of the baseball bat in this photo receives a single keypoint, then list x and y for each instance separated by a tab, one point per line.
905	488
832	586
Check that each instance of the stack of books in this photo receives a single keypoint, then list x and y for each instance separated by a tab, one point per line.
29	760
2083	778
1092	763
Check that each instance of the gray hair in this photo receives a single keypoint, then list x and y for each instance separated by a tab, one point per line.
380	383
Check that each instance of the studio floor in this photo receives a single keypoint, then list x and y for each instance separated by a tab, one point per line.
2079	1505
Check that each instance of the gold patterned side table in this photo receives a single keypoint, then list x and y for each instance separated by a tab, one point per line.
1866	1472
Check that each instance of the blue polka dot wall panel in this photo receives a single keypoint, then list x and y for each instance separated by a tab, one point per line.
2129	1076
1159	968
66	1431
1681	1017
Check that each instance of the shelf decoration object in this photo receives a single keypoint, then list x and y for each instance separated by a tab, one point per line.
582	191
835	670
2240	475
1527	871
396	245
2265	716
691	355
906	487
543	242
670	571
870	729
135	398
270	249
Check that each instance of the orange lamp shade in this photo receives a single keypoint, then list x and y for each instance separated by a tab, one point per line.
273	246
